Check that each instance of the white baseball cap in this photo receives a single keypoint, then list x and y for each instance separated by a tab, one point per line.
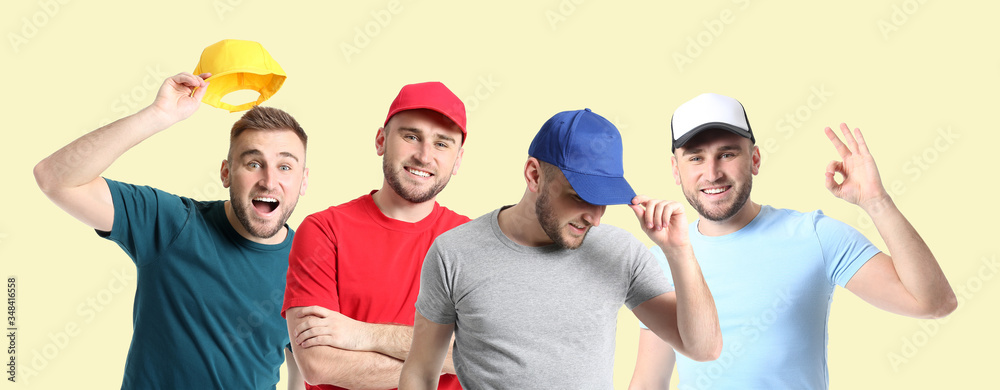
708	111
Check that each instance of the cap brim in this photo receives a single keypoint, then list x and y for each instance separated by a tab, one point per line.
709	126
600	190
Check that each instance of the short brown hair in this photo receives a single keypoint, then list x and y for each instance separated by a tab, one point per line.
267	118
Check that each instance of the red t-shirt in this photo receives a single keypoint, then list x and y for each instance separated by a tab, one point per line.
353	259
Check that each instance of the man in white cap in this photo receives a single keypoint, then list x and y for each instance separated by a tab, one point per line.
531	292
772	271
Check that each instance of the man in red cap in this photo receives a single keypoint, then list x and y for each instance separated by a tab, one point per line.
354	269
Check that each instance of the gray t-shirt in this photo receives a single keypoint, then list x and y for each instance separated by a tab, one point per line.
534	317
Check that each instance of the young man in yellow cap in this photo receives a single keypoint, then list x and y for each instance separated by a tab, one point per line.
354	269
773	271
210	273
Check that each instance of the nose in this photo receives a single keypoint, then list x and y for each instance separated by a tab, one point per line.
424	152
269	178
713	170
593	214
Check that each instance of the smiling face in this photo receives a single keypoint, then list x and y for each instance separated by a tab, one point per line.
565	217
715	170
421	150
265	174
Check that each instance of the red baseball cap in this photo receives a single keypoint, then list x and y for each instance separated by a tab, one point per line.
431	95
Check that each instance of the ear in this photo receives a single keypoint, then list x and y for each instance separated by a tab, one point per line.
673	167
380	141
755	160
533	174
458	161
224	174
305	181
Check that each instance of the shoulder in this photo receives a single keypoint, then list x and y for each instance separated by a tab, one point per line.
469	233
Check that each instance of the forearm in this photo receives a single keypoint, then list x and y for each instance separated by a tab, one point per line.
697	319
87	157
395	341
348	369
915	265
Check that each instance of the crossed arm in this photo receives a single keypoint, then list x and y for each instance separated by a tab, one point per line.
334	349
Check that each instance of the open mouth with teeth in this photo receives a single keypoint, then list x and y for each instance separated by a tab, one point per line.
715	190
265	204
419	173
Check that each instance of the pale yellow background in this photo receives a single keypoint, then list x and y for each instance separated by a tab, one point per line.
515	65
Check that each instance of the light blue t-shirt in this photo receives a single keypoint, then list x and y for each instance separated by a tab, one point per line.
773	282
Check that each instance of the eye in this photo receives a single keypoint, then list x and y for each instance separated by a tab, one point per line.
728	155
695	159
410	137
253	164
442	145
285	168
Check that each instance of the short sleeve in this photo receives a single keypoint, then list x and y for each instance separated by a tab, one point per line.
648	280
845	249
312	267
147	220
434	301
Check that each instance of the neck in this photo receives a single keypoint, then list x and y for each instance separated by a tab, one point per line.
520	224
732	224
395	207
235	222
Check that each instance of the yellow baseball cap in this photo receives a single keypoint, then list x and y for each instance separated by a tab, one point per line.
237	65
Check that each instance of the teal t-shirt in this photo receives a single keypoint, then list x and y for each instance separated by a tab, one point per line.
207	301
772	282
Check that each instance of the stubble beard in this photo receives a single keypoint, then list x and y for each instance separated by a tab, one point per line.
742	196
550	224
243	212
392	175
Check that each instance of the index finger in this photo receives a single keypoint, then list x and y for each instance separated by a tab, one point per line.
842	149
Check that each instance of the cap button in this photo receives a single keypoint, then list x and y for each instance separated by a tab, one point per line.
587	109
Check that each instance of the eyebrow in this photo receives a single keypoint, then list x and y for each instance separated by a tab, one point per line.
724	148
443	137
258	153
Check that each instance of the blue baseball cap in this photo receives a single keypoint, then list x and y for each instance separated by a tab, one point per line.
588	150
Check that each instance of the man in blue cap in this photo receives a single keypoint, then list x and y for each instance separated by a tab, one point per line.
531	303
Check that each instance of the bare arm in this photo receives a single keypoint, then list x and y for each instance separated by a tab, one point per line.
70	177
430	347
295	380
911	281
323	364
321	326
654	363
686	318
